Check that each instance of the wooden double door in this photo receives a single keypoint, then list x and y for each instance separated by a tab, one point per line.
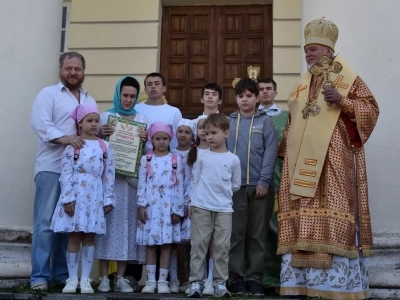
203	44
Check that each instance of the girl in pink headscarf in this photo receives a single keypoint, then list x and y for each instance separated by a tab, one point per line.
160	202
87	194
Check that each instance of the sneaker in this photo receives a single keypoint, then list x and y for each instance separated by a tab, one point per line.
220	290
162	287
86	287
208	288
174	286
40	286
70	286
194	290
150	287
104	285
254	288
184	287
123	286
238	286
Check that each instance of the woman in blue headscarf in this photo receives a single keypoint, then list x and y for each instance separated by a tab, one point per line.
119	242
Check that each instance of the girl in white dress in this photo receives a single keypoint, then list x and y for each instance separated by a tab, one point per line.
119	243
87	194
160	202
185	136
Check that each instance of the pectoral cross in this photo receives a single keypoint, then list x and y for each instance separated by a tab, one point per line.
325	66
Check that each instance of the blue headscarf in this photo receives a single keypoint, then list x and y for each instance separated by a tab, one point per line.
117	100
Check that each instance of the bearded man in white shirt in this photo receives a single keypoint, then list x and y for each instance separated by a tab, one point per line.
55	129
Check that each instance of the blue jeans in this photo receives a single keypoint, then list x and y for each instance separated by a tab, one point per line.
48	248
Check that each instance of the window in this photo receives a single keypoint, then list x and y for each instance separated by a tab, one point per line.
64	24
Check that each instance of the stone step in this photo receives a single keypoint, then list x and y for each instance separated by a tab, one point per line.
6	283
15	260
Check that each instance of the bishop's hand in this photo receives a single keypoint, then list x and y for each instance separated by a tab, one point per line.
331	95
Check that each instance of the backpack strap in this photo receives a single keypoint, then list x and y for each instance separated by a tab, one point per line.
174	167
103	147
105	155
149	172
76	154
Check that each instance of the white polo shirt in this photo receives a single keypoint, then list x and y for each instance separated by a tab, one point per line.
50	119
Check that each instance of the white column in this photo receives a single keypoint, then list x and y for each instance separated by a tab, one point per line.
368	41
30	46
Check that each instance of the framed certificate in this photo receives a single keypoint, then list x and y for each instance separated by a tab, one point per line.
126	144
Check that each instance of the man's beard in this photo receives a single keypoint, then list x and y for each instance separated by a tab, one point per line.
74	86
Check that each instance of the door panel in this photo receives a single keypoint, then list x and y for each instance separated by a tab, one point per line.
212	44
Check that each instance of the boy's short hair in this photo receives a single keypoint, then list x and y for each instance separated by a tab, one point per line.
214	87
217	120
268	80
247	84
155	74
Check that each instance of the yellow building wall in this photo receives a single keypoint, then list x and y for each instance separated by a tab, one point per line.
287	52
119	37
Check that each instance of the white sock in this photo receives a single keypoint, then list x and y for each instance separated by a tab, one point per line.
210	269
87	260
73	263
163	275
205	269
173	266
151	272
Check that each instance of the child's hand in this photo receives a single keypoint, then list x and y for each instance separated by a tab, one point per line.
185	209
107	209
69	208
143	217
261	191
175	219
143	136
190	212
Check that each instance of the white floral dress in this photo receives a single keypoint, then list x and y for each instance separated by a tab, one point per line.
85	183
119	243
187	175
161	198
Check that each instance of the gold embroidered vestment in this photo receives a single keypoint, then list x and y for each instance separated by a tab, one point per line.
313	229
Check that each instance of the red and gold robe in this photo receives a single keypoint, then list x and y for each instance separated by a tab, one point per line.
313	229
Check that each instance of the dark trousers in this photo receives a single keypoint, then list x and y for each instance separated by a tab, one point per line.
250	223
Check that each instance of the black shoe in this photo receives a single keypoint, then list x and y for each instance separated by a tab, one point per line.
254	288
238	286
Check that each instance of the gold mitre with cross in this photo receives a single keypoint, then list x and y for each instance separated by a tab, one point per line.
252	72
143	98
321	32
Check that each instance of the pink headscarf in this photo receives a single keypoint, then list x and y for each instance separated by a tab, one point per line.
161	126
82	110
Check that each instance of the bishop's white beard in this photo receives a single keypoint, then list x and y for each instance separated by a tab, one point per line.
309	66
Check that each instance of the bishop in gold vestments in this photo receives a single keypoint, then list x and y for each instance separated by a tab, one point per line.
324	228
